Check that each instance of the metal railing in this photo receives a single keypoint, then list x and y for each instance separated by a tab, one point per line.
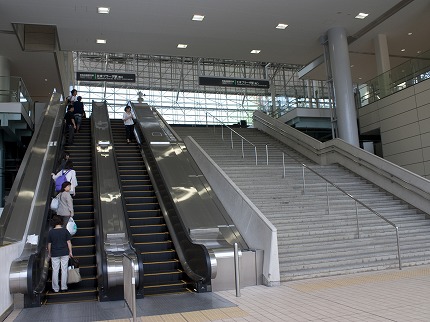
13	89
396	79
328	182
231	138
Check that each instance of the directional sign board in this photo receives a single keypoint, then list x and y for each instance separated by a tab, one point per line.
110	77
233	82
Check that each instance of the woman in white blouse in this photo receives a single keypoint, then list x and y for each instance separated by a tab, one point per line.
128	117
70	176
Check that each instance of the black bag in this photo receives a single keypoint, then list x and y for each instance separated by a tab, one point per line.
73	262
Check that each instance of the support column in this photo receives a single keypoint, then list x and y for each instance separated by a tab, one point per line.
382	65
4	79
343	92
381	54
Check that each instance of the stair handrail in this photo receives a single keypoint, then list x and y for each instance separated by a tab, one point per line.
335	186
231	137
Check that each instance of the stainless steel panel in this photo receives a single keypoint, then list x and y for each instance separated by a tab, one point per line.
201	211
112	213
25	207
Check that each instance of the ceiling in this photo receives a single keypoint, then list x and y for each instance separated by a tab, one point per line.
230	29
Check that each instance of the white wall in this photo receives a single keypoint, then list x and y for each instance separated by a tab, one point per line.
404	122
8	254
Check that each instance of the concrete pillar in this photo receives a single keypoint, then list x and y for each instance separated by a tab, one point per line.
4	79
343	91
381	54
382	65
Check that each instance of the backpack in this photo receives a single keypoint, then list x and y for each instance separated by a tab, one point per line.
55	203
60	180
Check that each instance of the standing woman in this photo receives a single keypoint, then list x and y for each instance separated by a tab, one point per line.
70	176
65	203
128	117
59	249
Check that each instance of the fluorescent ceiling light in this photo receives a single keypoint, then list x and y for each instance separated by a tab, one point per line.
255	51
182	46
102	10
361	15
281	26
198	17
101	41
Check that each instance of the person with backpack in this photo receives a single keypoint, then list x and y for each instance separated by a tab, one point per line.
66	174
59	250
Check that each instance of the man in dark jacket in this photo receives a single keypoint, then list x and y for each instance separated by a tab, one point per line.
70	124
78	112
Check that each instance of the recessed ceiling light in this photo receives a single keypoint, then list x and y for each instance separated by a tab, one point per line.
361	15
103	10
419	52
281	26
255	51
182	46
409	33
403	49
101	41
351	66
198	17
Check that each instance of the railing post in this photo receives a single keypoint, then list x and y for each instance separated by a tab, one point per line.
328	198
222	132
243	154
304	183
356	216
255	151
231	138
398	248
236	270
283	163
267	155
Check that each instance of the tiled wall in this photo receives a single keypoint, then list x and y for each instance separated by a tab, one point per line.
404	122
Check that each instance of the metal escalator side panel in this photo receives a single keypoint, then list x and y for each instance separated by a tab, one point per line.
111	229
28	203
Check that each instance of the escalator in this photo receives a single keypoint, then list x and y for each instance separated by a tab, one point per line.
162	270
83	242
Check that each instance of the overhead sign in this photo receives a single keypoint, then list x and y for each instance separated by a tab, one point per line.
233	82
110	77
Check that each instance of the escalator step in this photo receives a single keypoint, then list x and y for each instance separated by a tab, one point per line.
164	255
151	237
139	221
154	246
83	240
142	206
90	294
141	200
141	193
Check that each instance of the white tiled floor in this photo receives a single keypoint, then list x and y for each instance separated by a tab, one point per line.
377	296
392	295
